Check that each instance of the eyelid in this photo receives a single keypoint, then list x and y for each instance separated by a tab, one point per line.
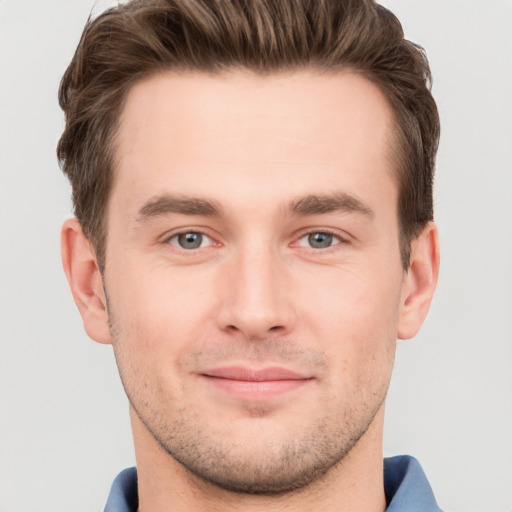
204	239
168	236
342	237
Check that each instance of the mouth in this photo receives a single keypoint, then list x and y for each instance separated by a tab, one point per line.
255	384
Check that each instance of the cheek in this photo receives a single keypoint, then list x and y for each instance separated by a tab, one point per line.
161	312
159	320
355	318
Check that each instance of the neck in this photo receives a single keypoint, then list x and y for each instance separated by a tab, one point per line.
355	484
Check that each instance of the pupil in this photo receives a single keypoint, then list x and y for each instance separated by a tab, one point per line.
190	240
320	240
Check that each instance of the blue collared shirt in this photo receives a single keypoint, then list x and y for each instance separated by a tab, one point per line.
405	485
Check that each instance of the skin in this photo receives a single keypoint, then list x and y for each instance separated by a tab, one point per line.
261	168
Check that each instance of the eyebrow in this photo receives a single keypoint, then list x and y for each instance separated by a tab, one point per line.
168	203
314	204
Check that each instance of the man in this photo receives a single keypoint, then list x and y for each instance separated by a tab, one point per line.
252	183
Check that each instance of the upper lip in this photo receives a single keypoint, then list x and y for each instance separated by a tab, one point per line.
253	375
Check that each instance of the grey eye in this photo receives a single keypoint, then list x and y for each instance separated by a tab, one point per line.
188	240
320	240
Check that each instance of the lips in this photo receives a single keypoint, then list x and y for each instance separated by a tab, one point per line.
249	375
251	384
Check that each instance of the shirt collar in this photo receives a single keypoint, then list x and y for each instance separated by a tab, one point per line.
124	495
407	487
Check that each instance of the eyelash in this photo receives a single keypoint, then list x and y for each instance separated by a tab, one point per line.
341	240
335	234
168	239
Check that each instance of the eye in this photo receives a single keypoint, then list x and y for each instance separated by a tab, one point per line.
319	240
190	240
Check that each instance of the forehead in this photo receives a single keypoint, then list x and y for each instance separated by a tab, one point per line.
200	129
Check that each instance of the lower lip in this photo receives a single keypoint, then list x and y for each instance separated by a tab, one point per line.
256	390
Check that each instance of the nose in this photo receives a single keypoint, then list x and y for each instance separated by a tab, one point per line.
254	296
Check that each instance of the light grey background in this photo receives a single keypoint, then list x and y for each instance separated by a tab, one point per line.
64	430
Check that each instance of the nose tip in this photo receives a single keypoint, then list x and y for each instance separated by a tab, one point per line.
256	326
255	301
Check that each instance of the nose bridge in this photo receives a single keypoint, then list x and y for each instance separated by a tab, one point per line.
255	299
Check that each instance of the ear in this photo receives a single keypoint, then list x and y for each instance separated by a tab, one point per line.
85	280
420	282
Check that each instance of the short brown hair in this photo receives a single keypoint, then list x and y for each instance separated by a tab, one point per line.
143	37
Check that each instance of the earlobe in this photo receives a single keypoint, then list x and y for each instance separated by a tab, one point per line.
420	282
85	280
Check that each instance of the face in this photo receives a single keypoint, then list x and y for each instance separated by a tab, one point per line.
253	272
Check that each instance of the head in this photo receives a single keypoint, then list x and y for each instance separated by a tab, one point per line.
252	184
132	42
